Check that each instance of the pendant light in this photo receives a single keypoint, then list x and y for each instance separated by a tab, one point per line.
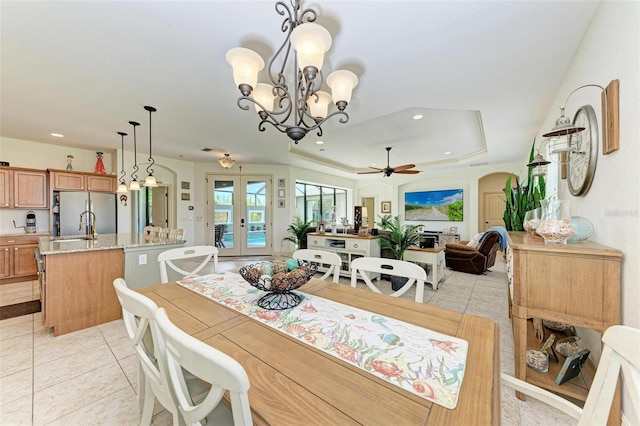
122	188
226	161
134	185
150	181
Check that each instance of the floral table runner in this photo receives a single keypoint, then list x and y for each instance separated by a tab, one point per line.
424	362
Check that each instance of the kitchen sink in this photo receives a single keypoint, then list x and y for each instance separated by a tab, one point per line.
70	239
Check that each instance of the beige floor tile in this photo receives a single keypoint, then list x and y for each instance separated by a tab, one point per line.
66	397
113	330
120	408
17	343
10	331
122	347
129	366
16	361
17	412
48	348
83	360
15	320
16	386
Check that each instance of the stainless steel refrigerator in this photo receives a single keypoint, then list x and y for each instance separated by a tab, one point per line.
72	204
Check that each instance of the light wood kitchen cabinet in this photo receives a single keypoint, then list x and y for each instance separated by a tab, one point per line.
17	259
80	181
23	188
575	283
78	289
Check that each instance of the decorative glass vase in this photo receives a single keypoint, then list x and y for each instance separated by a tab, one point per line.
555	226
583	229
532	221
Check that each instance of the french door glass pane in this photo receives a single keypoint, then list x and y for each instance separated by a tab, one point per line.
223	213
256	193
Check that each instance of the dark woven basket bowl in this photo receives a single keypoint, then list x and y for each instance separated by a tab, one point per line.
278	286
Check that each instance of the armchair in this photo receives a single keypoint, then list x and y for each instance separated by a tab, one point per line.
464	258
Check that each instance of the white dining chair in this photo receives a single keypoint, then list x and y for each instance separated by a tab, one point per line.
223	373
363	266
167	259
139	315
176	234
322	258
620	353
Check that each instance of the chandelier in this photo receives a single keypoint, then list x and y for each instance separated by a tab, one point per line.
303	106
226	161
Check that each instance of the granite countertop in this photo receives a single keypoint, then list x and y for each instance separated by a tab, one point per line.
23	234
78	243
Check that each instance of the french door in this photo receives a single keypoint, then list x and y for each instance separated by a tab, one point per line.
239	214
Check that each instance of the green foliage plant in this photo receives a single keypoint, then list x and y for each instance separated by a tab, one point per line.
400	237
298	230
522	198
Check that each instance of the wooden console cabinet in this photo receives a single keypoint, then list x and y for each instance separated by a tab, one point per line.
17	260
575	283
348	247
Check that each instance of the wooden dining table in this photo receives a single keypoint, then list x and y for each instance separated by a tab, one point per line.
294	383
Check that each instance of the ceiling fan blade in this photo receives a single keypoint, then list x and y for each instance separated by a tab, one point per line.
368	173
407	172
405	167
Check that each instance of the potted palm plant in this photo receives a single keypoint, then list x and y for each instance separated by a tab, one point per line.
397	239
298	230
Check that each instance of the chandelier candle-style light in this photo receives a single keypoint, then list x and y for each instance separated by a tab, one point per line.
122	188
303	106
226	161
150	181
134	185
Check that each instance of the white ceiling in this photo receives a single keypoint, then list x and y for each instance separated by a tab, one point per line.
483	74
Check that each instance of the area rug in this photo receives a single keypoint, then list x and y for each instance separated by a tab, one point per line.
424	362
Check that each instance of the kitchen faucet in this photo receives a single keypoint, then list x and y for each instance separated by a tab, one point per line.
91	229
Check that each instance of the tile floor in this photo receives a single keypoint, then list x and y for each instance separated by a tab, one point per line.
90	376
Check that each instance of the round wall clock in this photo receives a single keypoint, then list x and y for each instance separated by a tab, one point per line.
581	164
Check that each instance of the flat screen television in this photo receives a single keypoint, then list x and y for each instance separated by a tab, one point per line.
434	205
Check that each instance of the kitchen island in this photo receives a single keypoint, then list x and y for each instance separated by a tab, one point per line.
77	286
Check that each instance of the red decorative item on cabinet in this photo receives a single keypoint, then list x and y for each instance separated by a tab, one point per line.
99	165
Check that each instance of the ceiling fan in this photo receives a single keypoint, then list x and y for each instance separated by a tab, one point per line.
404	170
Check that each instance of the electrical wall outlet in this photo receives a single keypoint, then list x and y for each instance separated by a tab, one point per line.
142	259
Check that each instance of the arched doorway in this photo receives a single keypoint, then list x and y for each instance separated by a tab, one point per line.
491	200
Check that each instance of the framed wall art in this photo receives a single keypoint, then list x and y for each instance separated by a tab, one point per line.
281	204
281	182
385	207
281	193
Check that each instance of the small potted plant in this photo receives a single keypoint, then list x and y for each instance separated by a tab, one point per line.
398	239
298	231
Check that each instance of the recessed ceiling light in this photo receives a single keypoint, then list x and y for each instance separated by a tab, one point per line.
57	135
447	153
321	149
319	142
418	117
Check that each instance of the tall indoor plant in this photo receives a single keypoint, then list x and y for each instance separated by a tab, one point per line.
397	239
298	230
522	198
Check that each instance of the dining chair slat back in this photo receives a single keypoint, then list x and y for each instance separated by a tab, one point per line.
619	354
322	258
362	267
139	313
167	259
223	373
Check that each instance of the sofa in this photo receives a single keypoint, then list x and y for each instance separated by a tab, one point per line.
474	260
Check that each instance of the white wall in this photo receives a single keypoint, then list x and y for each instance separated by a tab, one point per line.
610	51
394	187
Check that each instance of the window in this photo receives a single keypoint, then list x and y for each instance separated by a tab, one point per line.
315	202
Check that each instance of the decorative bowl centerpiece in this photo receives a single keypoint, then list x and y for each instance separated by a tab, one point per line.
556	325
569	345
278	279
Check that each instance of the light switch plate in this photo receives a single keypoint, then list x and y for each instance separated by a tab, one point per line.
142	259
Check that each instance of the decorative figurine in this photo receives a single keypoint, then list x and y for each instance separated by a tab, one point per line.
99	165
69	160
